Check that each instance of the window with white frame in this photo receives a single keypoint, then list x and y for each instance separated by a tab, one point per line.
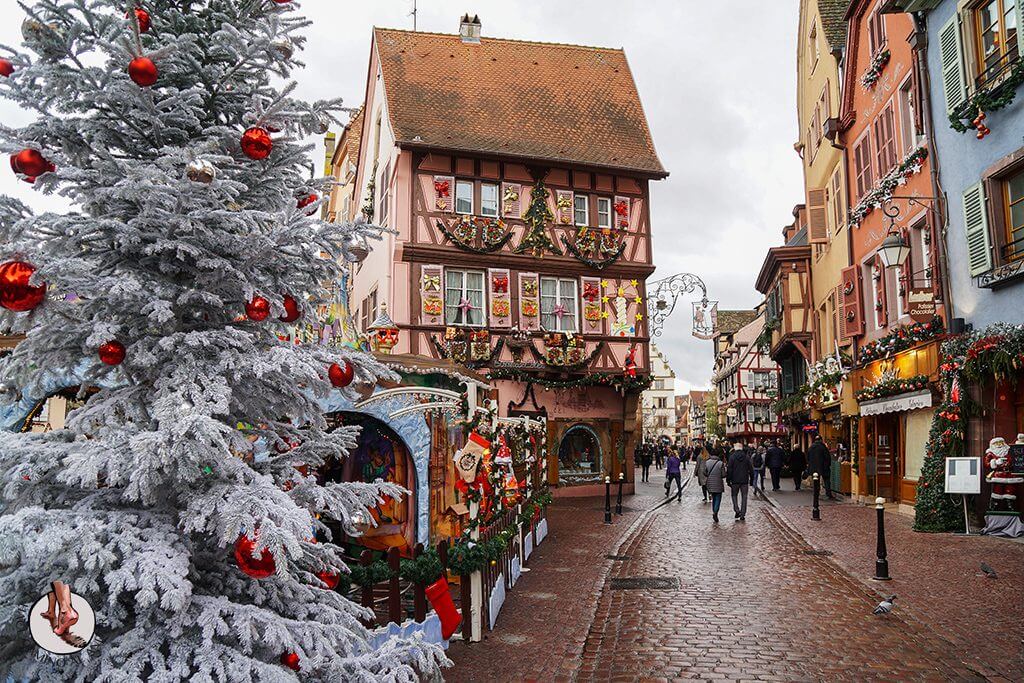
464	298
909	139
604	212
488	199
870	276
464	196
925	240
558	304
385	195
758	412
581	209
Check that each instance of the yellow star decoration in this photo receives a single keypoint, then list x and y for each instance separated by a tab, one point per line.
604	283
604	314
633	282
638	301
604	299
639	316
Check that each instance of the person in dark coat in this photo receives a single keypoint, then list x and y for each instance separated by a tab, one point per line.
645	463
738	470
819	461
775	460
797	465
714	480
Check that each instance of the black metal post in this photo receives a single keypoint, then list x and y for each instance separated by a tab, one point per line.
618	499
881	563
815	510
607	500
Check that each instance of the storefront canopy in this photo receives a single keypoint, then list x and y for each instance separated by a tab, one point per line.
897	404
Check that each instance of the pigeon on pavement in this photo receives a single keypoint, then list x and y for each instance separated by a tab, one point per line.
885	606
989	572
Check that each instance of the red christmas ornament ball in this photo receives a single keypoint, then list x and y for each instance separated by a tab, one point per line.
291	660
256	567
258	309
6	68
31	163
329	578
291	310
142	70
112	353
306	201
339	376
256	143
16	294
143	17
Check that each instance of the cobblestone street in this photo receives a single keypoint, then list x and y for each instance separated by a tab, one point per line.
753	601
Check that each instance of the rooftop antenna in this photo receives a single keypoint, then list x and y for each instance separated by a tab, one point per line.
413	14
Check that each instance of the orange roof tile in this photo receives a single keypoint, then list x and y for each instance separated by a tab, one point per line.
515	98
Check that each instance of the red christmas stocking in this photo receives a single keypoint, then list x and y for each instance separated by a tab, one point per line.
441	600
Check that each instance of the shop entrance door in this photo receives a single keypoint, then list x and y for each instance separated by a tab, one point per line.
886	457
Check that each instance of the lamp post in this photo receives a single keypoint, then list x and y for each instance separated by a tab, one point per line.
894	249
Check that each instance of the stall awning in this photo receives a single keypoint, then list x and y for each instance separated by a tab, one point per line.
897	404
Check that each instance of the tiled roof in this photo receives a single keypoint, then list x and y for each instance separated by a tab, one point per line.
833	22
731	321
539	101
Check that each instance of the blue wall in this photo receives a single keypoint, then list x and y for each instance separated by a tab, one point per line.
962	161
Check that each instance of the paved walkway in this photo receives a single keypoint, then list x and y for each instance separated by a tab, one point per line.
747	603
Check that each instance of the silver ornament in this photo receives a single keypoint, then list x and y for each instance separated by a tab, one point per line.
323	123
284	48
201	171
354	249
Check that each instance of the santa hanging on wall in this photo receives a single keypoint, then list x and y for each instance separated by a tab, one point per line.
1000	473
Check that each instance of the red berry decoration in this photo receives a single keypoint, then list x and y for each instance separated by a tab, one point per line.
16	294
306	201
282	2
6	68
291	310
329	578
143	17
256	143
31	163
255	567
258	309
291	660
341	377
112	353
142	70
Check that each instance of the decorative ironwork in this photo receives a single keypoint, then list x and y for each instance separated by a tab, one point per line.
662	296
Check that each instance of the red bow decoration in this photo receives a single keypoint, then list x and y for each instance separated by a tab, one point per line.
620	208
442	188
591	291
500	284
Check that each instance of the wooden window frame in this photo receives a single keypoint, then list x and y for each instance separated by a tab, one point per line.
461	182
586	210
497	200
558	297
995	181
877	39
867	171
384	202
598	201
483	288
886	157
908	115
979	66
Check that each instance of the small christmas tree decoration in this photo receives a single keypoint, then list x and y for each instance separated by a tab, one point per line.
6	68
143	18
201	171
255	567
290	660
143	71
112	352
440	598
31	162
256	143
291	309
258	309
341	376
16	294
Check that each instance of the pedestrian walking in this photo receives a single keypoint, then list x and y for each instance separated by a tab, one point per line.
737	472
757	469
645	463
819	461
672	474
702	476
775	459
714	481
797	465
683	456
659	456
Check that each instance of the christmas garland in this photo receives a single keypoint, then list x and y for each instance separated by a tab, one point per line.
582	363
597	264
763	342
615	380
988	100
892	387
883	190
901	339
376	572
798	399
874	72
424	570
491	243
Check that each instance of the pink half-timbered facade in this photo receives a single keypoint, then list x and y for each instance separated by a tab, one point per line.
514	178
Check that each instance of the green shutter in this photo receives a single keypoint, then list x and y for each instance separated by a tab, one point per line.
951	50
1020	27
979	242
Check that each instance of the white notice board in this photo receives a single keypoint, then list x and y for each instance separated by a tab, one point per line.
963	476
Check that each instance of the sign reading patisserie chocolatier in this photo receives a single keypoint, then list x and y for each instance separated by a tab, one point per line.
921	304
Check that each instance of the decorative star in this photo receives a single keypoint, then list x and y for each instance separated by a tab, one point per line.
604	283
466	307
639	316
633	282
638	301
559	311
604	299
604	314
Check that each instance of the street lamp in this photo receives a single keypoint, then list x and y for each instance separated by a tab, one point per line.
894	249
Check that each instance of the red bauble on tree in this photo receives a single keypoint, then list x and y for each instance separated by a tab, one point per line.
16	294
31	163
6	68
329	578
291	310
143	17
303	202
258	309
256	143
256	567
143	71
291	660
341	376
112	353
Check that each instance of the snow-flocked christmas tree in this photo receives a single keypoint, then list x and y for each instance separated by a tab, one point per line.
189	239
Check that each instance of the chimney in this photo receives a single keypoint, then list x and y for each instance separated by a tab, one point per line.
469	29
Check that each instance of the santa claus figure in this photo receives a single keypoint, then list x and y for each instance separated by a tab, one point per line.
1000	473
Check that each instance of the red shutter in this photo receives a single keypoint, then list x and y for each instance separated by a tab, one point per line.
444	193
905	273
817	216
851	321
511	200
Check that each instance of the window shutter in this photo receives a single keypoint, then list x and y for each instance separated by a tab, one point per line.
1020	27
951	52
432	295
501	297
835	315
511	208
883	298
817	216
837	200
851	321
444	193
590	295
563	206
620	212
529	301
979	241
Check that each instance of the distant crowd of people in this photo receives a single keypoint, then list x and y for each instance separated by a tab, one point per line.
739	465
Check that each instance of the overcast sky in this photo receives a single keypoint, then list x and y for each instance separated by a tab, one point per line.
717	80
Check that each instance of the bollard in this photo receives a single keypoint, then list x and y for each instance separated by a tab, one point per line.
607	500
815	510
881	563
618	499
